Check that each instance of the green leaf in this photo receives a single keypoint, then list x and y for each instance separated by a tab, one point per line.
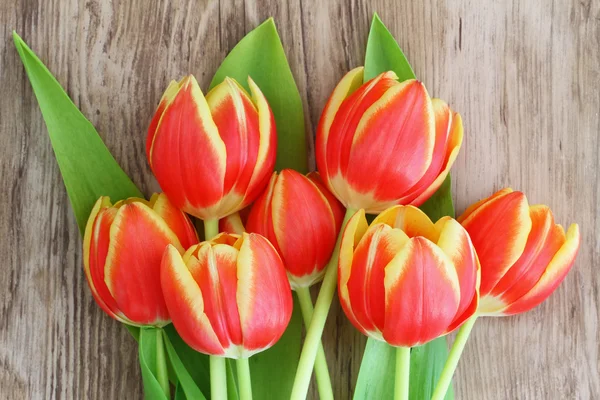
377	369
384	54
186	382
179	393
232	391
440	204
376	376
196	364
260	55
424	379
87	167
147	354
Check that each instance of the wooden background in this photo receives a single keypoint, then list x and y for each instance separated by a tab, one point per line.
524	74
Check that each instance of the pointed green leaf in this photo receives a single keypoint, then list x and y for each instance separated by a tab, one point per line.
260	55
87	167
426	369
376	375
186	382
384	54
147	355
232	391
196	364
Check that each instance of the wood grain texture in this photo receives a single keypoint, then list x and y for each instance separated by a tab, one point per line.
524	74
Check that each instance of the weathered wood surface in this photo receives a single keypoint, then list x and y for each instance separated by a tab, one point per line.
524	74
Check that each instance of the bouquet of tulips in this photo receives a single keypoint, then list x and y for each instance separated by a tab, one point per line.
204	272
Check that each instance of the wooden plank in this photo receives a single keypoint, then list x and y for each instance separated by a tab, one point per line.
524	75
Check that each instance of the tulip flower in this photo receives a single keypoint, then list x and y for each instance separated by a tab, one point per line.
227	297
212	155
302	219
122	252
385	142
524	256
405	280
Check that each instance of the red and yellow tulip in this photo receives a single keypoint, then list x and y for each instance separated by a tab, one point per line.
385	142
212	155
406	280
302	219
524	255
228	296
122	253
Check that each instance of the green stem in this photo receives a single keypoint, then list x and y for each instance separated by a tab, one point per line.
317	323
162	374
218	378
243	373
211	228
402	373
321	371
455	352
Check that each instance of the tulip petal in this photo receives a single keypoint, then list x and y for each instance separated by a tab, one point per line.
376	249
166	98
264	297
402	122
498	229
476	205
449	137
297	202
554	274
334	204
260	219
355	230
95	249
265	160
236	119
176	219
138	238
185	302
214	268
456	244
411	220
190	150
349	83
416	317
545	239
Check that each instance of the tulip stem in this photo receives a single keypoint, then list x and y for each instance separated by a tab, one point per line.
317	323
402	373
455	352
162	375
243	373
321	371
211	228
218	378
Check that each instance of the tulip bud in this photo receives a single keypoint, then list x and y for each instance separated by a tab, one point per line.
122	252
302	220
385	142
228	296
524	255
405	280
212	156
